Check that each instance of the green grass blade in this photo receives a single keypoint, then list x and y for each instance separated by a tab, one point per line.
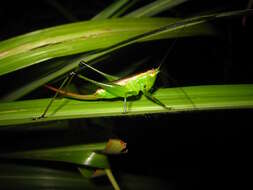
38	81
111	10
92	155
81	154
204	98
35	47
155	8
124	9
15	175
32	48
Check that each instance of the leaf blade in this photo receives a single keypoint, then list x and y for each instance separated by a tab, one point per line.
155	8
29	49
210	97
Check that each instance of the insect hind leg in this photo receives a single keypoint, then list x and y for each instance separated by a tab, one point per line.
65	83
43	115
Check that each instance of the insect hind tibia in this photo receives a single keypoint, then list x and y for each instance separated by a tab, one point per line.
43	115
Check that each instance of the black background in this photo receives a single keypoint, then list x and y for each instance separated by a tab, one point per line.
188	149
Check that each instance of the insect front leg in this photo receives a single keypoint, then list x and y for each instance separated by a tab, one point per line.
129	93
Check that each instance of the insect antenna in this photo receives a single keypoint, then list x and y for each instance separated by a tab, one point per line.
169	76
168	52
171	47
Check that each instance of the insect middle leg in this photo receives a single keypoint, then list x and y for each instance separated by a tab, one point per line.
128	94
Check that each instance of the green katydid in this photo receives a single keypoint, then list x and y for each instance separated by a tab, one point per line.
143	82
117	88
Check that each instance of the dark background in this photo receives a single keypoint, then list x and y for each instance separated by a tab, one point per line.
184	150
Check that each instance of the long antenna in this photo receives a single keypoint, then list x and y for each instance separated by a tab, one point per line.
163	61
168	52
171	47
